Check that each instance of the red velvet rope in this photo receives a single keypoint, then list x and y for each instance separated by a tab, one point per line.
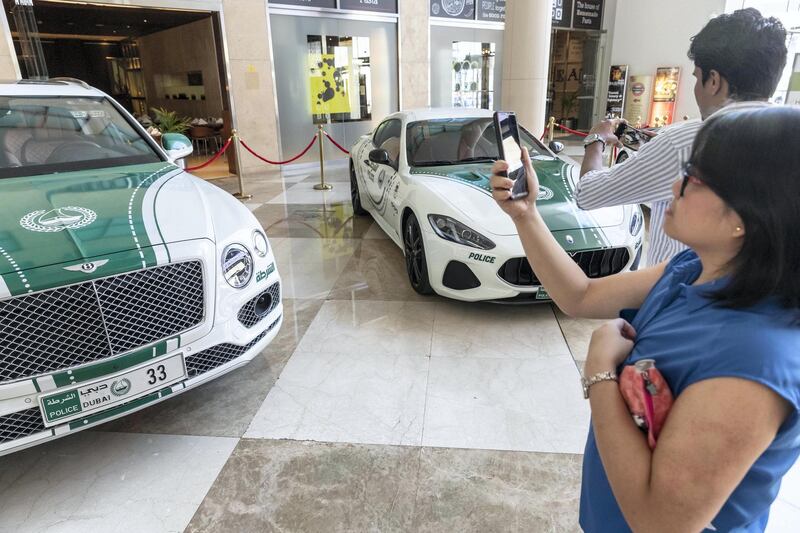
214	158
574	132
295	158
337	145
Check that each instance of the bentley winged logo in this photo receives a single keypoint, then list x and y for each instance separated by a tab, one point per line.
87	268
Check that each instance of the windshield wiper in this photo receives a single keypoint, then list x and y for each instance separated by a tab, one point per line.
433	163
477	160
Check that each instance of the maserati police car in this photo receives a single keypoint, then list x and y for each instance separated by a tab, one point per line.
124	280
424	177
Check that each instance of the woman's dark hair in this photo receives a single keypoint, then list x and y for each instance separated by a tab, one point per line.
748	50
748	158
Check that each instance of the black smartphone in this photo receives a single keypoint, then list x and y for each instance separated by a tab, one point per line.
510	151
639	134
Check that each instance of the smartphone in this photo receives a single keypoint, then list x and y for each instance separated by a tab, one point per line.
510	151
622	128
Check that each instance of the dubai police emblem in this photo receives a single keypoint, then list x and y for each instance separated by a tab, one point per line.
56	220
545	193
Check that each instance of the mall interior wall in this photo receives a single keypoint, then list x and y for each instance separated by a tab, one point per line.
648	35
414	53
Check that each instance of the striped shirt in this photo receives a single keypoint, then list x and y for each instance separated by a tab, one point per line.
645	179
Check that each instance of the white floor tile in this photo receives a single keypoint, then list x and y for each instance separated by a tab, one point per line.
98	482
357	326
304	193
309	280
299	250
375	232
490	330
362	397
310	267
506	404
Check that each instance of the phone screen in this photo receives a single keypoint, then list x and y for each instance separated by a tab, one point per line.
511	151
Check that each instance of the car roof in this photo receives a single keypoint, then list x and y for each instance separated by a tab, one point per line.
433	113
51	87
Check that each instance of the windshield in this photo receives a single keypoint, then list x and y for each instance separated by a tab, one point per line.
451	141
42	135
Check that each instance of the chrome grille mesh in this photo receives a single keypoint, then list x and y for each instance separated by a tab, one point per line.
248	314
218	355
64	327
21	424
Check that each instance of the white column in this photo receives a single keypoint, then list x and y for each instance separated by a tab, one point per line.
526	59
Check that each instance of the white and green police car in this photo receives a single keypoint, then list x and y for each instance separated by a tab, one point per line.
123	279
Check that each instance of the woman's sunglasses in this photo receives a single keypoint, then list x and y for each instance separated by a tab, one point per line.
688	172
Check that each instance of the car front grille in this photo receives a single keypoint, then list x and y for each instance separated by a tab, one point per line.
19	425
252	312
594	263
218	355
70	326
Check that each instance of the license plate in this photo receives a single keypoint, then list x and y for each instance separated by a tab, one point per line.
78	402
542	295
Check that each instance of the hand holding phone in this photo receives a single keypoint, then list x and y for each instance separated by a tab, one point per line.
510	150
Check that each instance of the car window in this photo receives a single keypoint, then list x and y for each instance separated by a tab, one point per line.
457	140
388	138
42	135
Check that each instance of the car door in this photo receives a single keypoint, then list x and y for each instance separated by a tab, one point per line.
381	178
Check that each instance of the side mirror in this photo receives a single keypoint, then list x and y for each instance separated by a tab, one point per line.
176	145
379	156
556	147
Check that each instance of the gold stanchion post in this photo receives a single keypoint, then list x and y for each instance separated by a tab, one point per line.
551	129
321	186
241	194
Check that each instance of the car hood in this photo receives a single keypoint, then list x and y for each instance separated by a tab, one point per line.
468	189
122	216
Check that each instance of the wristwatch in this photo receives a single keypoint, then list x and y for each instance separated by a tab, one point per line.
597	378
594	138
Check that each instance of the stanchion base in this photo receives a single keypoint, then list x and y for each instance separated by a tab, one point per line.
323	187
241	196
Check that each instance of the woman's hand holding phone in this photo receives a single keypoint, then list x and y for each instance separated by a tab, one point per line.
502	185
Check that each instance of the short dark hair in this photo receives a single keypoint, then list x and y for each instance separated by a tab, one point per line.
742	155
748	50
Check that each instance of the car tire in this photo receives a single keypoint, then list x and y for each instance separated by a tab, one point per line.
355	195
416	262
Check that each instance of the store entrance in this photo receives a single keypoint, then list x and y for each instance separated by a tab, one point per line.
575	59
165	66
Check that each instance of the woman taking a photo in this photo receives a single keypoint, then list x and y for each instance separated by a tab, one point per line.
721	321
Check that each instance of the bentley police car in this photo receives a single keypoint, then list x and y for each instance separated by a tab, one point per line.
424	176
124	280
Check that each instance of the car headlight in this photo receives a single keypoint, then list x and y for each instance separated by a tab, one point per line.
260	243
237	265
636	222
454	231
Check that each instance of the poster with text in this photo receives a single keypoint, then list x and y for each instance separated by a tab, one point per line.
637	99
453	9
665	93
588	15
615	101
327	75
492	10
562	13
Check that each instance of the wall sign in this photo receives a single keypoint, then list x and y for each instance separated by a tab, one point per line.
665	92
617	79
380	6
588	14
562	13
492	10
637	99
453	9
306	3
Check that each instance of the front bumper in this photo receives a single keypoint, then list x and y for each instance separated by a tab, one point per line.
483	282
230	336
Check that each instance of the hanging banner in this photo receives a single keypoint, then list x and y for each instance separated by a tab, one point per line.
617	80
453	9
588	15
328	84
637	99
562	13
331	4
379	6
492	10
665	92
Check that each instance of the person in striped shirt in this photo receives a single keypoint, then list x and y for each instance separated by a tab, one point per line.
738	57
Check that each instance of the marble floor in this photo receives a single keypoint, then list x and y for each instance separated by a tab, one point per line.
375	409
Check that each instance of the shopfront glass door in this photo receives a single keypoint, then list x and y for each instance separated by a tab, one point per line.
336	72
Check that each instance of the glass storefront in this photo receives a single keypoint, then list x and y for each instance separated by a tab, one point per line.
337	72
466	67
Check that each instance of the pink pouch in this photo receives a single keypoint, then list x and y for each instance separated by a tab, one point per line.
648	397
